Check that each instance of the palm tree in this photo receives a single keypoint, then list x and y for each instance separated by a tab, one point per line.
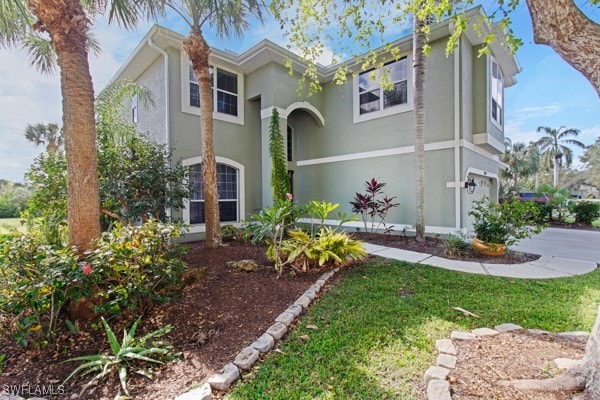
554	146
67	25
419	39
228	18
522	161
48	134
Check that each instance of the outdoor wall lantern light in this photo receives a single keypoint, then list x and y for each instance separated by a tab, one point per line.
470	185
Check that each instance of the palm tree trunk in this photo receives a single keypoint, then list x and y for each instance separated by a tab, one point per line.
555	180
419	123
198	51
67	25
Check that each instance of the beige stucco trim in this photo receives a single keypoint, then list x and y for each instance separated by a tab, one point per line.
396	227
447	144
241	192
299	105
486	138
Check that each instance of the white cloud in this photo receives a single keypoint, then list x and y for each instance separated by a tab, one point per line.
538	111
29	97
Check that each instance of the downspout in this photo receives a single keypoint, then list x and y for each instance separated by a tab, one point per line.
167	114
457	108
166	58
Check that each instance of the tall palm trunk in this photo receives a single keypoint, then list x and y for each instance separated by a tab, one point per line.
198	51
556	166
69	37
419	122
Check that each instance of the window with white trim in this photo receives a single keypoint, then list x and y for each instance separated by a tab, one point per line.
373	98
496	94
226	91
134	109
228	194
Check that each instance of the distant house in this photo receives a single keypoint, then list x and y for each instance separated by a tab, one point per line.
340	137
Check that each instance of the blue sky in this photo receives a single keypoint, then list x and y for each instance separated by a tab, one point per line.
549	92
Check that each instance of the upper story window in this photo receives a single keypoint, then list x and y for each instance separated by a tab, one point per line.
496	97
372	97
134	109
371	100
226	91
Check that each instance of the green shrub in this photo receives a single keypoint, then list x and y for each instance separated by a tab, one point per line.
587	212
455	245
133	267
36	281
504	223
130	355
327	249
272	225
128	269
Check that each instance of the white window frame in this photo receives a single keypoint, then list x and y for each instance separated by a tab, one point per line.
196	228
493	95
134	110
383	112
185	93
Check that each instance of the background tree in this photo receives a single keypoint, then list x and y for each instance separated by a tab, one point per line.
555	146
67	24
137	179
227	18
48	134
591	159
280	181
522	162
13	198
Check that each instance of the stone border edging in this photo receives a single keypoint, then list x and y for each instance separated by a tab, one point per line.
438	387
246	358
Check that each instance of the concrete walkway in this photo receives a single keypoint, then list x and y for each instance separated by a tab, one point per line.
582	258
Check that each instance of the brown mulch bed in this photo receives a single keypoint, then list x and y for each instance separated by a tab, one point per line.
435	246
573	225
513	355
213	320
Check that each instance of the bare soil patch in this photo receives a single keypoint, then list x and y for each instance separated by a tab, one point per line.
213	320
435	246
513	355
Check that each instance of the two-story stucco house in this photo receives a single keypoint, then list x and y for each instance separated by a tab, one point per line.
339	137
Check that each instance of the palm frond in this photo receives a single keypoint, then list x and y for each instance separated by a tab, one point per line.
41	53
16	22
93	45
118	92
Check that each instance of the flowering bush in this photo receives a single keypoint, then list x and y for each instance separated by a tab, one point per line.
128	269
504	223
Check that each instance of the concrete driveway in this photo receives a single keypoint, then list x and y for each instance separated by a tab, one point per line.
565	243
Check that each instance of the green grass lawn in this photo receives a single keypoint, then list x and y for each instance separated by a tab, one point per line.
7	224
376	329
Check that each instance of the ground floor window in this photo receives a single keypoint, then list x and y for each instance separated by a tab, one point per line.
228	192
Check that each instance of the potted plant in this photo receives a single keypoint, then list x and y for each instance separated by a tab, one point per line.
500	225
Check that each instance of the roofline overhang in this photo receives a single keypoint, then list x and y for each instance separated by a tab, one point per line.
266	51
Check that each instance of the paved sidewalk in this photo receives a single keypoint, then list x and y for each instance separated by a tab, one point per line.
545	267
